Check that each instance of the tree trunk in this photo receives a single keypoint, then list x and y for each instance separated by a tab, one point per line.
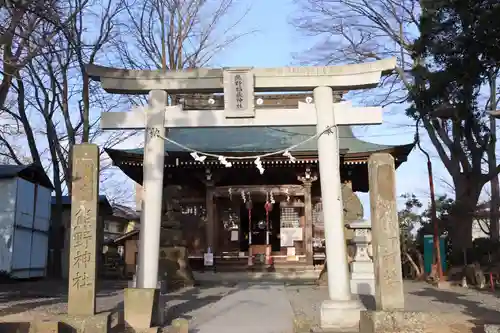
492	162
494	203
420	259
462	215
418	271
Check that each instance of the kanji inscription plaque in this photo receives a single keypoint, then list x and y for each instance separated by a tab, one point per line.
239	93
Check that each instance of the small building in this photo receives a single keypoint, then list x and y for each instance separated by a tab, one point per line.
117	224
24	220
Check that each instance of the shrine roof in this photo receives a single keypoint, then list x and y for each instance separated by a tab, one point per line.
262	140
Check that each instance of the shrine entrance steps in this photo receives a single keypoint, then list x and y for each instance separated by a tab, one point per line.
305	275
240	265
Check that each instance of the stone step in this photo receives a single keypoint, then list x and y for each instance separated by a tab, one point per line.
308	275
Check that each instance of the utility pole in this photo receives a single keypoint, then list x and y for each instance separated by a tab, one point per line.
434	219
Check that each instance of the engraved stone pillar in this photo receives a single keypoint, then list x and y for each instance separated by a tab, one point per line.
362	271
385	231
84	212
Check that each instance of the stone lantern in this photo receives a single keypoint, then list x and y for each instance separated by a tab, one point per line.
362	270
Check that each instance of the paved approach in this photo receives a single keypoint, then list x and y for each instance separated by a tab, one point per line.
243	307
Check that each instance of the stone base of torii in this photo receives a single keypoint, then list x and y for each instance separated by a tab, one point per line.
342	311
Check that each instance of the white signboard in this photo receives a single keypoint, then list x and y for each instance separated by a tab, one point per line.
208	259
289	235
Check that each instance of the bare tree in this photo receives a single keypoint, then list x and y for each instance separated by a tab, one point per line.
26	28
173	34
53	103
351	31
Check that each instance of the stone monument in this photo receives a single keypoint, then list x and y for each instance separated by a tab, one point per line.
385	230
390	315
389	296
83	250
84	243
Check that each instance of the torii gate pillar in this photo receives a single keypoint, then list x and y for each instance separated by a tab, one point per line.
341	312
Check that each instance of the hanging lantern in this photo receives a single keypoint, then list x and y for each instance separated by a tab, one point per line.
268	206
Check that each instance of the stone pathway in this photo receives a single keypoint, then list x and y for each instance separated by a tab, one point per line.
242	307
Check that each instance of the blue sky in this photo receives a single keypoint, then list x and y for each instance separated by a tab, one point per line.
274	44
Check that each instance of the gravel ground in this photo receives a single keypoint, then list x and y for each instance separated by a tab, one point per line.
29	300
475	306
33	300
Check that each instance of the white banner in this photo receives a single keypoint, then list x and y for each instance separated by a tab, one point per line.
208	259
289	235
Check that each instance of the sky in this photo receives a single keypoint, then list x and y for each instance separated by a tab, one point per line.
273	45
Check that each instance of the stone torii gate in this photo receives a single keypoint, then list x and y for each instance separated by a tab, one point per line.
340	312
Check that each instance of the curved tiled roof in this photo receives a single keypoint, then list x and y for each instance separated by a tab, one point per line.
260	139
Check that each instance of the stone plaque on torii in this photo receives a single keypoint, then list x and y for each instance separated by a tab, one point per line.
238	86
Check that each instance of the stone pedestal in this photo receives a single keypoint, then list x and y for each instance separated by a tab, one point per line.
180	326
102	322
362	271
142	308
340	316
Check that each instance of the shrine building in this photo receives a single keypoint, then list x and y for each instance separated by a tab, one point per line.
224	208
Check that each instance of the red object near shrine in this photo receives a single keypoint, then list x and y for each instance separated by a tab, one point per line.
250	257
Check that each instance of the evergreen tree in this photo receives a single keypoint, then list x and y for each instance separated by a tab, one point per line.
457	51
